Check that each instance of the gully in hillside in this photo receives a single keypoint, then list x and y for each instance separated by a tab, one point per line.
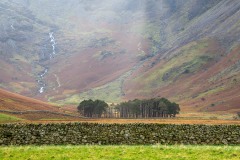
41	82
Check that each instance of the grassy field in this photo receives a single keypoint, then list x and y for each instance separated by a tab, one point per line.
185	118
121	152
8	118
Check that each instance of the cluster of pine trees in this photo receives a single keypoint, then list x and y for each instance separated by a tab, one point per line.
150	108
157	107
94	109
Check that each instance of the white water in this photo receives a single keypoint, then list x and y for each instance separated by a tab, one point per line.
53	42
44	73
12	27
41	90
40	81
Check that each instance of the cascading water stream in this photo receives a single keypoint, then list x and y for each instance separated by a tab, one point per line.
53	44
12	27
41	82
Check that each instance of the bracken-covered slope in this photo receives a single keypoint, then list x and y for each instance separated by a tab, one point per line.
69	50
15	102
24	108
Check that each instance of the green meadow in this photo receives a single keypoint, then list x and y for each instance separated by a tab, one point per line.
162	152
8	118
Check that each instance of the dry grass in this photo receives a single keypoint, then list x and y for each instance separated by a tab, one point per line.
147	121
15	102
216	118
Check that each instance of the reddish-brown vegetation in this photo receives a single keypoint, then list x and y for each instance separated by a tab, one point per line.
86	69
159	121
15	102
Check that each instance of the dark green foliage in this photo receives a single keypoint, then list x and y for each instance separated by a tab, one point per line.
157	107
90	108
117	134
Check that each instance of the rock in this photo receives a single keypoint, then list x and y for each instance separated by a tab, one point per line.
224	141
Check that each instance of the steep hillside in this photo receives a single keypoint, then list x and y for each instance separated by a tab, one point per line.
14	107
202	71
22	42
15	102
201	77
63	61
65	51
195	47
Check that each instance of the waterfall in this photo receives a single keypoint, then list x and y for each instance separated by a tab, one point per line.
41	82
41	90
41	76
12	27
53	43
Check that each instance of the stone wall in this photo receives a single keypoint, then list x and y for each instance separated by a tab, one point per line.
114	134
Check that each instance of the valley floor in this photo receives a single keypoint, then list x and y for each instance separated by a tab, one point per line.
121	152
159	121
183	118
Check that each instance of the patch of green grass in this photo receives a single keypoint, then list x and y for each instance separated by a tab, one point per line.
110	92
17	57
211	91
8	118
206	115
188	59
51	119
121	152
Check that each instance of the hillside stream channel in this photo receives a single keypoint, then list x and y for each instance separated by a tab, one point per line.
41	82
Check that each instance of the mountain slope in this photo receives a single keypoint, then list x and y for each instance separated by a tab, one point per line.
15	102
202	73
190	50
200	78
14	107
67	51
22	38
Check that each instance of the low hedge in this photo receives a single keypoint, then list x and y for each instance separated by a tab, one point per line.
115	134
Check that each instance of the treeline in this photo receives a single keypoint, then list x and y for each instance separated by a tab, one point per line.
150	108
157	107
